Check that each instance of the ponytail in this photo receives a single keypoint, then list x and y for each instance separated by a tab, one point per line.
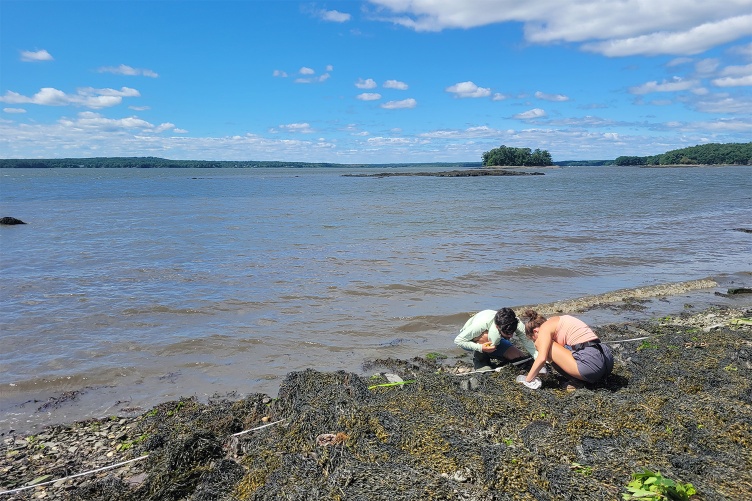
532	320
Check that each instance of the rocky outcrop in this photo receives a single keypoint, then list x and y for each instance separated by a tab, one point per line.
10	220
451	173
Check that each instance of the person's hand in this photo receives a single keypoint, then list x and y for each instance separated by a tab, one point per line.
533	385
488	347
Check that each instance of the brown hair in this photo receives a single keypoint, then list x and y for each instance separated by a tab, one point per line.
532	320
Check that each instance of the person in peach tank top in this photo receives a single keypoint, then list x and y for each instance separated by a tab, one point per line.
571	346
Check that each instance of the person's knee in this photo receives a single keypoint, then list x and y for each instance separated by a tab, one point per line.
512	352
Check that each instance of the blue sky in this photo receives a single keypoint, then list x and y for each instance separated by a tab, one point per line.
374	81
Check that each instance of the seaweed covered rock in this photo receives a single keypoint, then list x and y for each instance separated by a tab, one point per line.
677	402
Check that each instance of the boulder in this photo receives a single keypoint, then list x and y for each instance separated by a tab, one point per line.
10	220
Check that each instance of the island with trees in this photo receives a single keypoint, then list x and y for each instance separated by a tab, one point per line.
704	154
506	155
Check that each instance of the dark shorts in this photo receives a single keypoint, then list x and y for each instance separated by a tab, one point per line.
594	362
481	359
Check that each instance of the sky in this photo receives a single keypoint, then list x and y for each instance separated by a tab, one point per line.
373	81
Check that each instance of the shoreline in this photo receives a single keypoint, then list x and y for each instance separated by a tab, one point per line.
90	400
690	380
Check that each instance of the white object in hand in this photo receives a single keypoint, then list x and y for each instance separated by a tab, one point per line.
533	385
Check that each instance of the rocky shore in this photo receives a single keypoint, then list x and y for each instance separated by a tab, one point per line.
679	401
452	173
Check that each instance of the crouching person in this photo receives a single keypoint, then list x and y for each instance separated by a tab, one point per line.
572	347
488	334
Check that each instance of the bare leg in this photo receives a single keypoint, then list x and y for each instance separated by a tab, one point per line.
564	360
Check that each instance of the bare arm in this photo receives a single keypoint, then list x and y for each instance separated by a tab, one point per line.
543	343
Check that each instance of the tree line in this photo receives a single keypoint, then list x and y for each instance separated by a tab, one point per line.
146	163
505	155
155	162
704	154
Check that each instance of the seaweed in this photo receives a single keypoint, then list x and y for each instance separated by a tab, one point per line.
680	406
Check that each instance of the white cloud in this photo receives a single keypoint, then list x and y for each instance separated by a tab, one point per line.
309	75
91	121
695	40
390	141
302	128
681	27
480	131
279	73
35	56
368	96
329	67
127	70
733	81
334	16
737	70
499	97
320	78
14	110
743	50
679	61
405	103
676	85
468	89
551	97
531	114
724	103
87	97
734	76
707	66
395	84
368	83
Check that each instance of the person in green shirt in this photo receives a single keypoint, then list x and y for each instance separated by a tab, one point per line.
488	334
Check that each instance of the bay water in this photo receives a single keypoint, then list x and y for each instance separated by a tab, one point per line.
130	287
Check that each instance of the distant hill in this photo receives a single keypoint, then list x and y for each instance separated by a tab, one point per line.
156	162
568	163
703	154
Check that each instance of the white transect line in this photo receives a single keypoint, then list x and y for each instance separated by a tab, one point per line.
254	429
116	464
76	475
498	369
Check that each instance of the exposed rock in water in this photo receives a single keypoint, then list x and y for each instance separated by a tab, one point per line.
452	173
679	401
745	230
10	220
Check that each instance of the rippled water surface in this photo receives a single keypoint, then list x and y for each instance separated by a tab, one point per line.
131	287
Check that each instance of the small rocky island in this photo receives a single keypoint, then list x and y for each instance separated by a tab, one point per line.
452	173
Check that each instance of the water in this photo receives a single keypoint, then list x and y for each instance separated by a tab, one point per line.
132	287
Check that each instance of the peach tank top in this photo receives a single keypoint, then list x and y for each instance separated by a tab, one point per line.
572	331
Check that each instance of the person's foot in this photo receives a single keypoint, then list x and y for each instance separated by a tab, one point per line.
571	385
482	362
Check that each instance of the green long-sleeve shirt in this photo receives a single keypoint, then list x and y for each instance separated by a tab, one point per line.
484	321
